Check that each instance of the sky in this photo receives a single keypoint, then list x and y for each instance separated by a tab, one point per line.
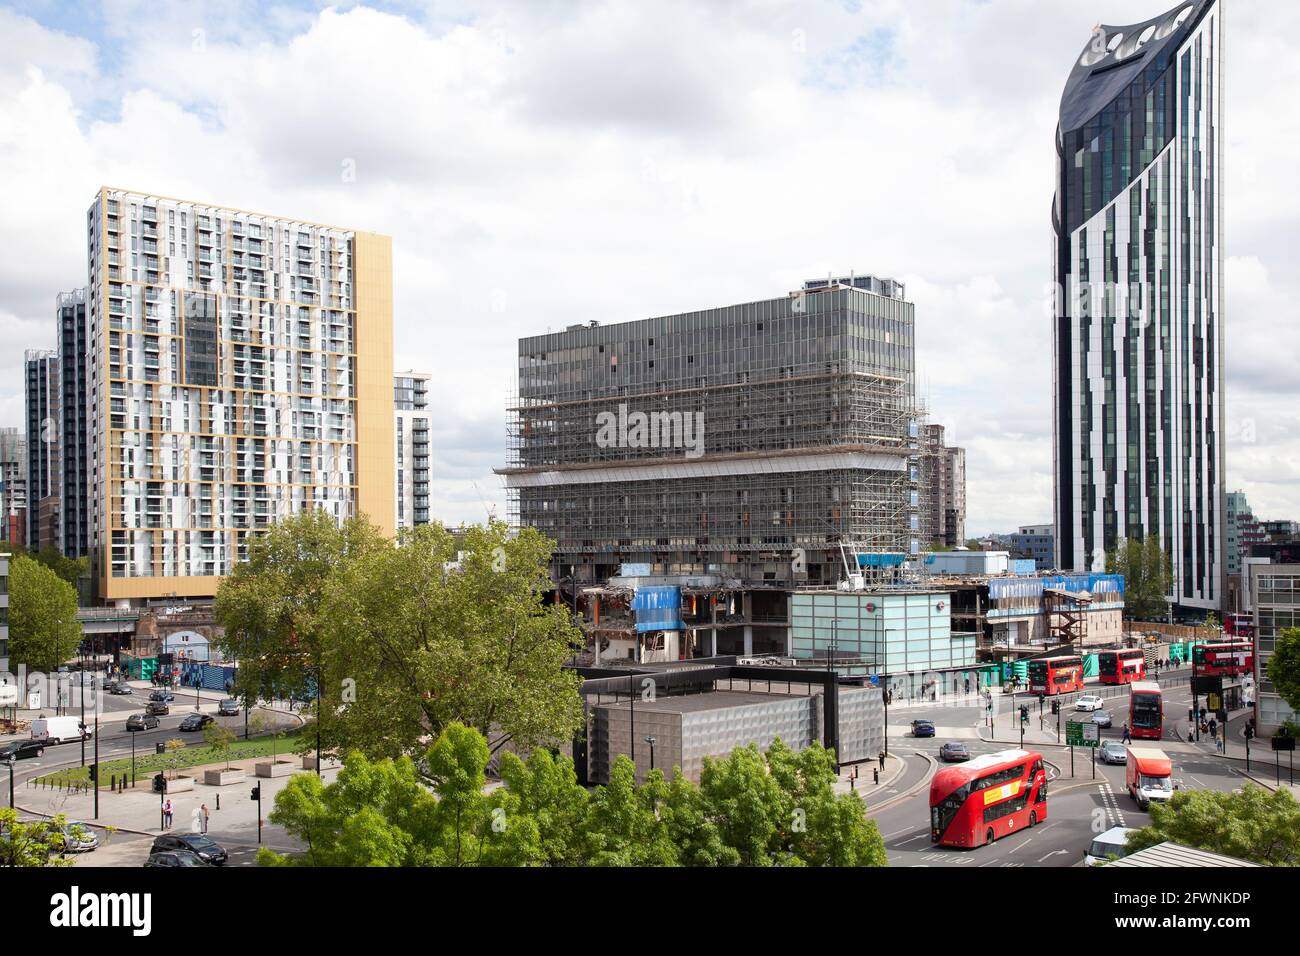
540	163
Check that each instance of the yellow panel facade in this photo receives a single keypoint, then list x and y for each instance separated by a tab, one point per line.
373	264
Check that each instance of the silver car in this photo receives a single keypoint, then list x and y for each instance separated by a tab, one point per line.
1112	751
78	838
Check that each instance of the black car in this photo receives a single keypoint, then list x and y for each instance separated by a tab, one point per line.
922	728
176	858
165	696
228	707
21	750
196	721
157	708
953	751
146	721
205	849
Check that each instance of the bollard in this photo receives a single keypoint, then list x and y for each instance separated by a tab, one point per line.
218	801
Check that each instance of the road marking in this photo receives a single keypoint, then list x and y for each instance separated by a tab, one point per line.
1023	845
1111	803
919	836
1052	854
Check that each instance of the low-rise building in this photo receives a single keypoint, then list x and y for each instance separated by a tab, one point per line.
1274	595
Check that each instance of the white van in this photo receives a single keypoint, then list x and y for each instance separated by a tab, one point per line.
1107	845
59	730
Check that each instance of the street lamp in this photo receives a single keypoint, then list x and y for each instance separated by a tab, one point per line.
11	762
651	742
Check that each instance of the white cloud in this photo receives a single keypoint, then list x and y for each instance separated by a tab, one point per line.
544	164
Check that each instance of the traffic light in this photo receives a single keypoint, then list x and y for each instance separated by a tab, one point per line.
94	773
1024	712
1250	732
256	793
1056	707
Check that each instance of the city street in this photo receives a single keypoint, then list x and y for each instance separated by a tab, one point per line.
1079	804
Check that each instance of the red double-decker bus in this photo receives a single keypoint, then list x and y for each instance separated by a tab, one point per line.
1239	625
1121	667
1055	675
989	797
1146	711
1226	659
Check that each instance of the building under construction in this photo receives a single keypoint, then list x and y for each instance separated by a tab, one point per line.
751	447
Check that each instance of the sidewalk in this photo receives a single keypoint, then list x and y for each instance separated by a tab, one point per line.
232	818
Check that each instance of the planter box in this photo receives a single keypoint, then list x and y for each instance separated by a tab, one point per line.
326	763
180	785
219	778
280	768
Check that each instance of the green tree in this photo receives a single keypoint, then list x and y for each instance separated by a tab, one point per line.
442	629
1284	667
379	814
69	569
270	607
623	827
43	627
1251	824
219	739
549	793
36	844
1147	577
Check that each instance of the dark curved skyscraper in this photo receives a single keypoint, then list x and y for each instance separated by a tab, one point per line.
1138	324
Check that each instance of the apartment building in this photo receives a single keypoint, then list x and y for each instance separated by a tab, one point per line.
411	440
943	489
1275	600
239	371
13	485
44	416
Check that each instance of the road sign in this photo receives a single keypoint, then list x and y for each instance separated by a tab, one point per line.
1080	734
1284	744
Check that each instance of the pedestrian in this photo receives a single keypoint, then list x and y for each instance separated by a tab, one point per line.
1214	727
1128	738
881	758
968	685
167	815
203	810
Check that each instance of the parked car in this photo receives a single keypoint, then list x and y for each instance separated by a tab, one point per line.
1089	702
21	750
120	688
205	849
145	721
176	858
228	707
165	696
922	728
157	708
196	721
78	838
1112	751
1101	718
953	751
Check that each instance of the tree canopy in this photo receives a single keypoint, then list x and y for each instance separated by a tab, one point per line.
749	809
1147	577
43	627
1251	824
408	636
1284	667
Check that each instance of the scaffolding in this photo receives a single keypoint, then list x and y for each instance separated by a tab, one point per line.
753	440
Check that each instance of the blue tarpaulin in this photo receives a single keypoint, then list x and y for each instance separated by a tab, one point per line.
658	609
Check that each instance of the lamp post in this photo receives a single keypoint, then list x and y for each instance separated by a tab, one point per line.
133	758
11	762
651	742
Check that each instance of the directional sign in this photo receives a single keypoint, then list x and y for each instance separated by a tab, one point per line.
1079	734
